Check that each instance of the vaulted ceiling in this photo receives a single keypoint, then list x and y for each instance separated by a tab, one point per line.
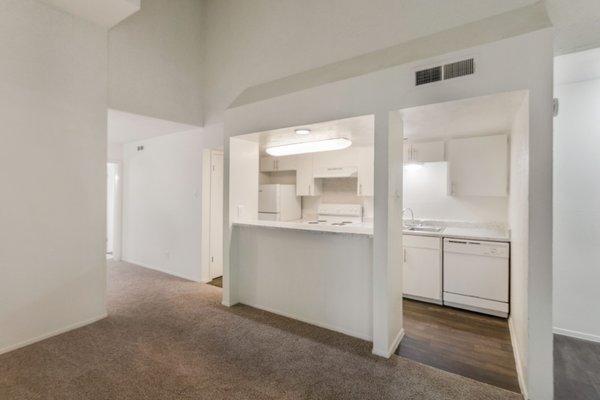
105	13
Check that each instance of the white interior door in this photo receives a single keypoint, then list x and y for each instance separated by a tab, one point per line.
216	215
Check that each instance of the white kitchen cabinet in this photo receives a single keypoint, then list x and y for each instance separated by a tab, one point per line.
268	164
366	170
337	158
272	164
478	166
306	184
424	152
287	163
422	269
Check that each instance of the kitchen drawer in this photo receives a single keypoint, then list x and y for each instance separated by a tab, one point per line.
424	242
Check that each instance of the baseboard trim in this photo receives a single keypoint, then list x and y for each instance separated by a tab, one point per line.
518	365
311	322
163	270
53	333
390	350
423	299
577	335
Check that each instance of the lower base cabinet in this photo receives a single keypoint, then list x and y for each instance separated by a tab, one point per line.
422	269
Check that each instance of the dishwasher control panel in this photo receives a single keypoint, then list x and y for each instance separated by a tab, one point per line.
476	247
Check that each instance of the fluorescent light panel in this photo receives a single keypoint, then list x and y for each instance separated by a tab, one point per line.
309	147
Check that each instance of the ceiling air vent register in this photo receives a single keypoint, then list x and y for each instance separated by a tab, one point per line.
429	75
459	68
452	70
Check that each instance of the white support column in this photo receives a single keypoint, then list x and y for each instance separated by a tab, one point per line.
387	240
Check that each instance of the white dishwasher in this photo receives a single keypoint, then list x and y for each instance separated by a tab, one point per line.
476	276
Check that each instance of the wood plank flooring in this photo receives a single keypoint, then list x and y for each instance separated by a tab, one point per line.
465	343
218	282
576	369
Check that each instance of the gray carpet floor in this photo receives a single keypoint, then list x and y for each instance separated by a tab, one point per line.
167	338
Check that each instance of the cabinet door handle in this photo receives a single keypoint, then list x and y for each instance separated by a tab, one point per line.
359	189
404	250
309	189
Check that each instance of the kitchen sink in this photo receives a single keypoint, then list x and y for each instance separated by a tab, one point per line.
423	228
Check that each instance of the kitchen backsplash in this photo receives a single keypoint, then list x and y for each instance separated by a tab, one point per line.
337	191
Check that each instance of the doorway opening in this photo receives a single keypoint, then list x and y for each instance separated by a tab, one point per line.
212	214
465	235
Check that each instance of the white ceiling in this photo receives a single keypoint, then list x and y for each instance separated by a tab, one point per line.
358	129
125	127
105	13
470	117
576	24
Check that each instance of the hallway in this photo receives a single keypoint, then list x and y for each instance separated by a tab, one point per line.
167	338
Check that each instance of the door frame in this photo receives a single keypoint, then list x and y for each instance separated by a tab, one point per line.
207	154
118	214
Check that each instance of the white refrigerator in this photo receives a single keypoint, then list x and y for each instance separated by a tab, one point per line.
279	203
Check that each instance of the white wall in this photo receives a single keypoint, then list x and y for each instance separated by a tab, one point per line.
53	172
426	193
576	200
243	180
162	202
115	152
251	42
155	61
294	273
393	88
518	216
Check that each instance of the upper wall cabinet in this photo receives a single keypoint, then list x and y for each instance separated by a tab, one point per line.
337	158
306	184
478	166
270	164
288	163
305	166
424	152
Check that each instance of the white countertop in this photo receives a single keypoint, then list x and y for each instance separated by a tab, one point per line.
468	233
366	228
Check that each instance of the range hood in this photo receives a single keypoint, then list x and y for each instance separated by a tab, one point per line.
336	172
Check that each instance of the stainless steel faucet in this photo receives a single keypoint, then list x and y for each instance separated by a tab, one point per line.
412	216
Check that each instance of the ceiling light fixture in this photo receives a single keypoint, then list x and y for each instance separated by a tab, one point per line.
302	131
309	147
